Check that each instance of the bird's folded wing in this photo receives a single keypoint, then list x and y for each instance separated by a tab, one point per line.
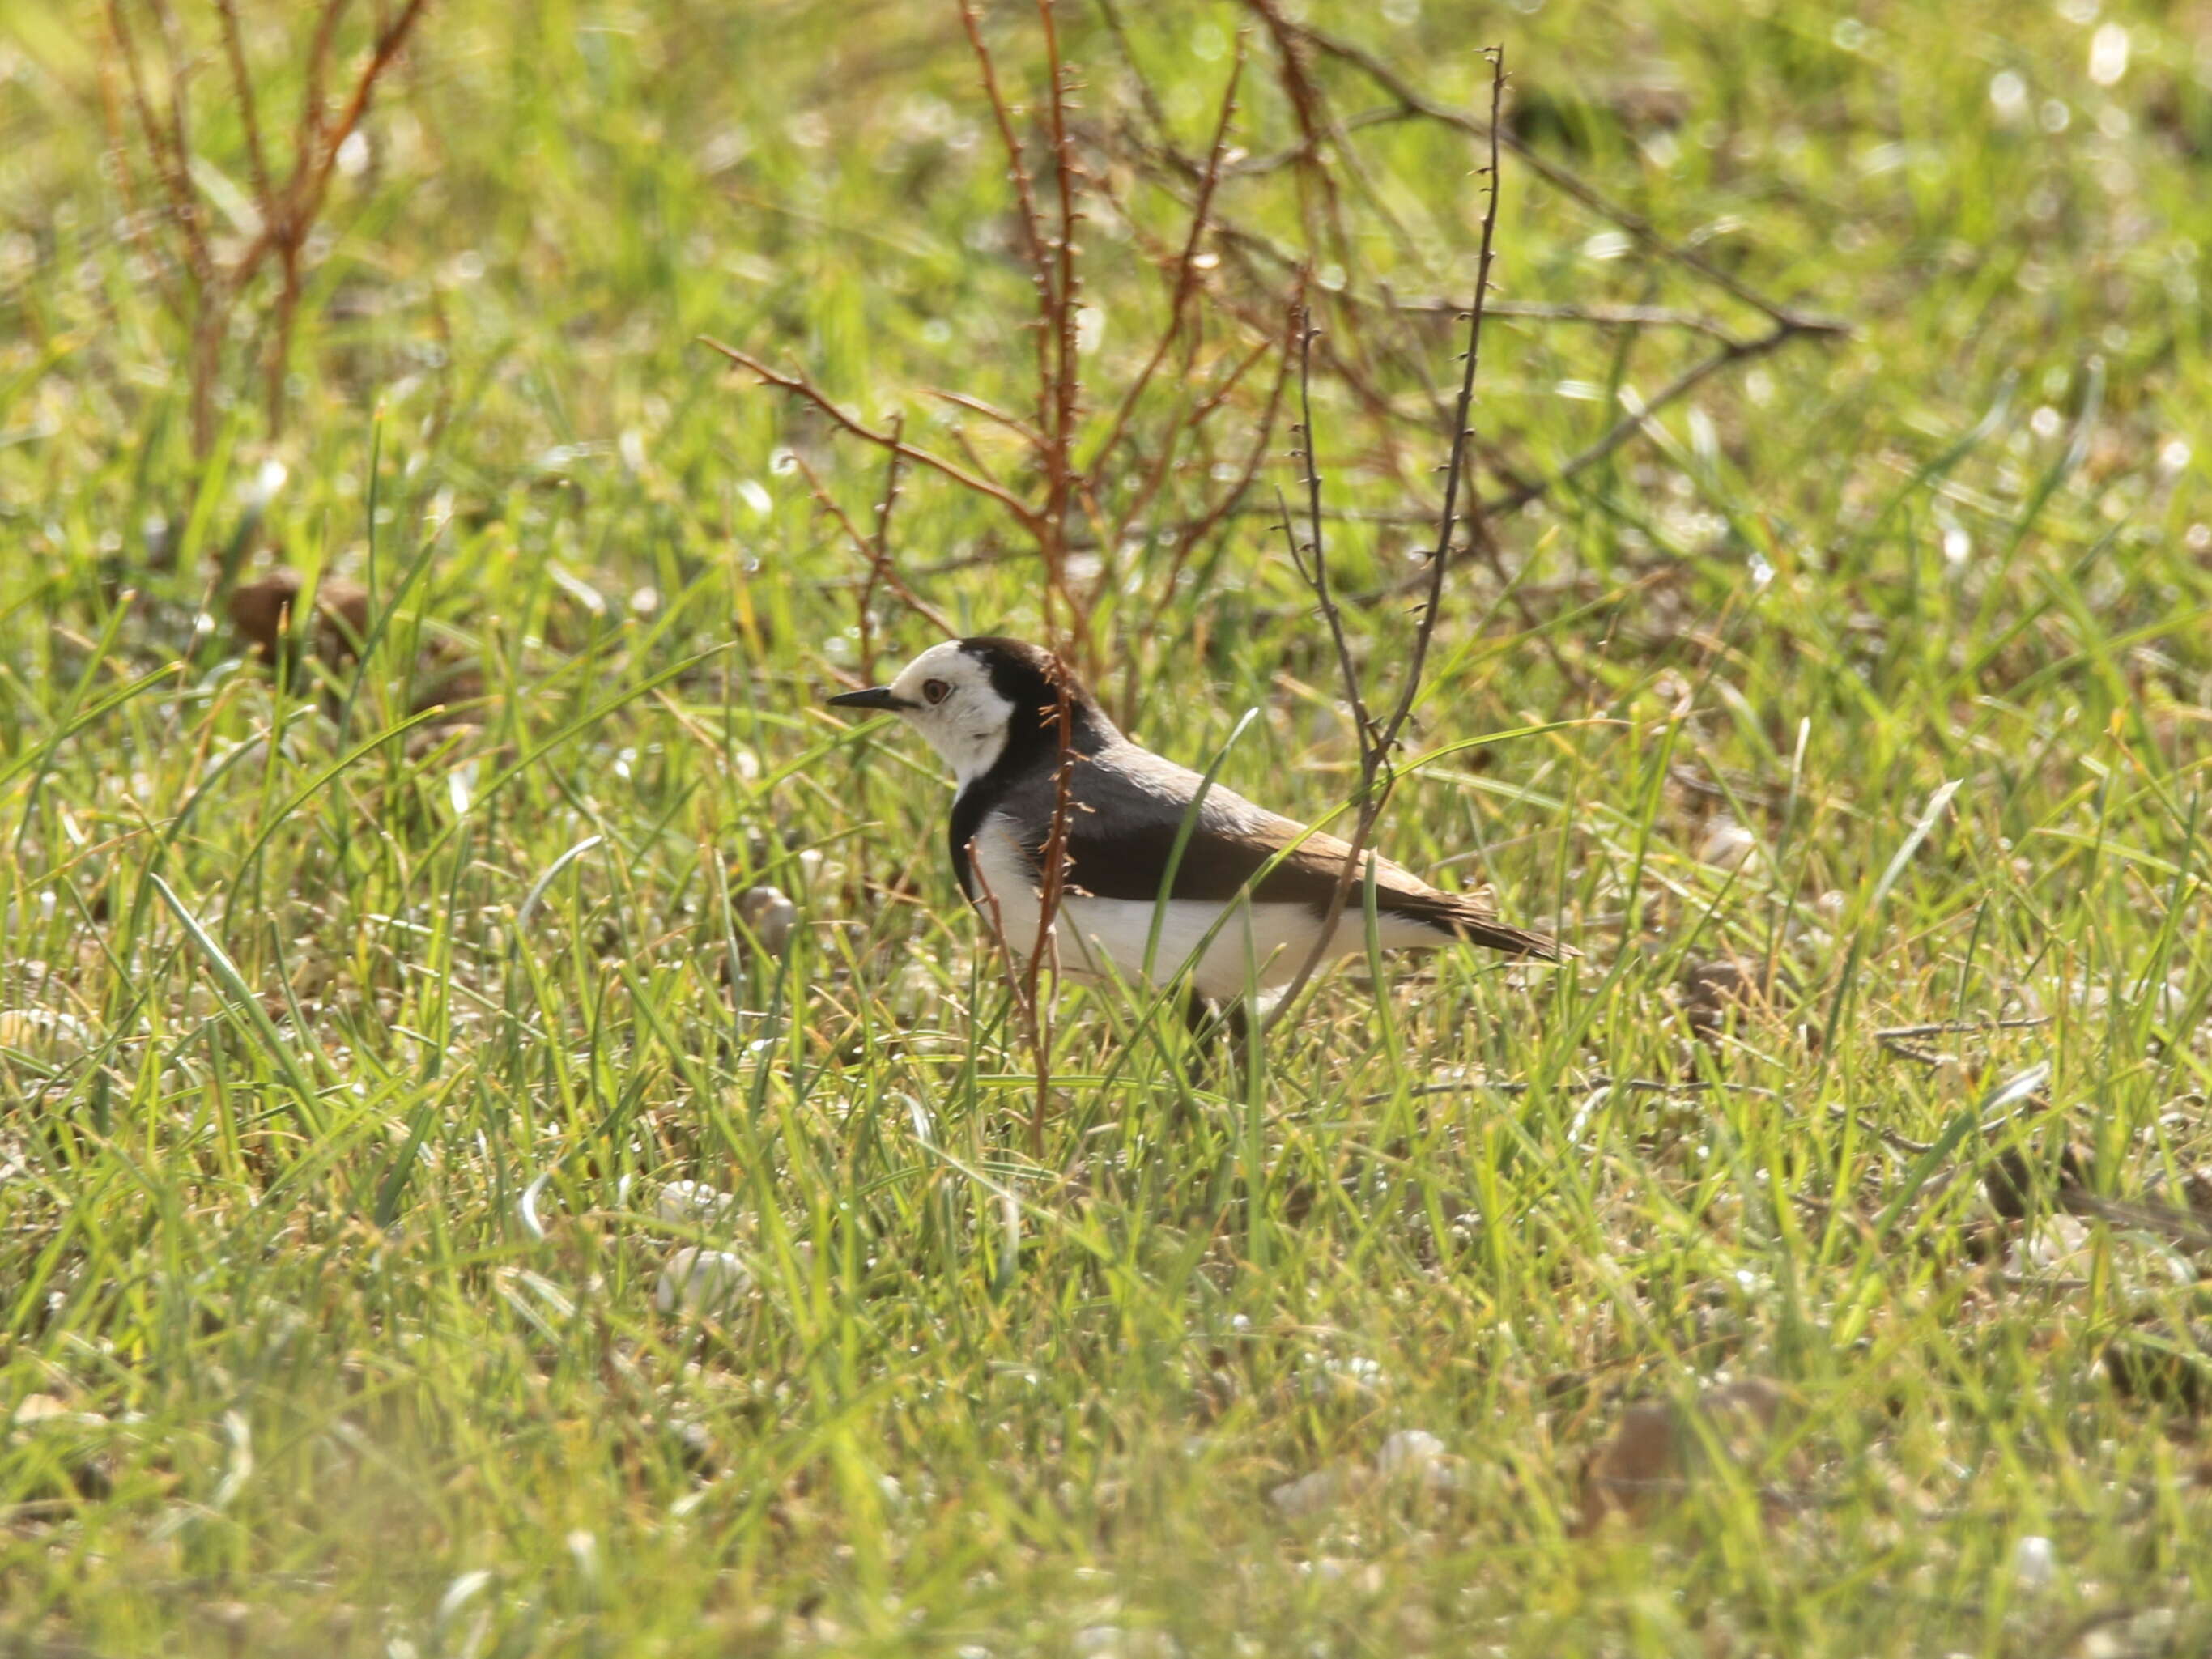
1128	814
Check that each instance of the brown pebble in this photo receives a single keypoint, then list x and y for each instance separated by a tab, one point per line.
1646	1467
260	610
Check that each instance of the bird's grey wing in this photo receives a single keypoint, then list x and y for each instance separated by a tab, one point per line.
1127	808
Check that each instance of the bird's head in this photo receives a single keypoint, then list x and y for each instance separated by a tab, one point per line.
973	698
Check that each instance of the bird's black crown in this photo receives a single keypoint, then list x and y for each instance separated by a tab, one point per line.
1026	675
1031	678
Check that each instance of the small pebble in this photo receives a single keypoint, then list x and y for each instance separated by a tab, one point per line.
710	1282
1729	845
2034	1563
45	1032
1412	1452
693	1204
1309	1494
771	916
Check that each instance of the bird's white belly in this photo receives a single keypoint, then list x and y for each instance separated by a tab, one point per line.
1263	944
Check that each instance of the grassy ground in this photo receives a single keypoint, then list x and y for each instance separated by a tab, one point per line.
349	1056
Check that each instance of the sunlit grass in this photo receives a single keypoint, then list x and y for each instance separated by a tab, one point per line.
354	1041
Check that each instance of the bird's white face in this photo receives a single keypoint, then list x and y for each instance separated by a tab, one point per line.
946	695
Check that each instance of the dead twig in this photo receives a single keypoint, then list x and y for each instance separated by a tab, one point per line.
1600	316
799	386
880	569
1018	175
1376	774
1414	103
1958	1028
1640	1086
1899	1040
285	213
1052	863
875	550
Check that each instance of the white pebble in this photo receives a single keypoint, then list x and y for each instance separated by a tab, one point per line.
693	1204
46	1032
1729	845
2034	1563
1409	1451
709	1282
1309	1494
771	916
17	921
1112	1642
2059	1244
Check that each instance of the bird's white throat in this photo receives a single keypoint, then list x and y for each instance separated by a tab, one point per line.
971	753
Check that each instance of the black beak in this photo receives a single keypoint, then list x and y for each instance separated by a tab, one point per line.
876	696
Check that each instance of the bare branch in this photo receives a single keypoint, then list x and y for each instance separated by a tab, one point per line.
1186	280
1061	394
1377	776
798	386
312	166
1413	100
990	412
241	84
1016	169
171	166
877	556
312	113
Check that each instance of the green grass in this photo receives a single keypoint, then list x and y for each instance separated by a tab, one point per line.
333	1213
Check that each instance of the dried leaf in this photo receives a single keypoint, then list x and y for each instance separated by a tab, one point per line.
262	611
1659	1447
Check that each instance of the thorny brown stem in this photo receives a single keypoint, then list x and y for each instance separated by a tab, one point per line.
1051	883
1376	774
1018	174
1415	102
1310	111
287	212
171	168
1072	488
874	550
880	569
1734	350
1787	323
1186	278
1063	484
799	386
234	47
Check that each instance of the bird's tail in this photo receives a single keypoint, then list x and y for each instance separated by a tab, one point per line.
1478	929
1467	918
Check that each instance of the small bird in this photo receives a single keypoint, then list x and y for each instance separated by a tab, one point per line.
992	708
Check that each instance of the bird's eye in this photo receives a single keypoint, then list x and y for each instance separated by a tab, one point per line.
935	691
